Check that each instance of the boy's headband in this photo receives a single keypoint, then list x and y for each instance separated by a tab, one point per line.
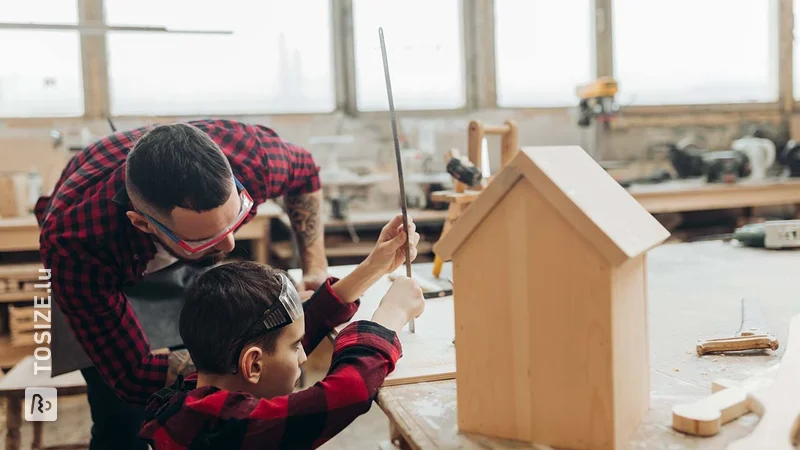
287	309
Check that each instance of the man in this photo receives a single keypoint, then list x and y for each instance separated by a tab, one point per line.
134	218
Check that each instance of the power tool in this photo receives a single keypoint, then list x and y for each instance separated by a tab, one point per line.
690	161
772	234
790	157
726	166
464	171
597	101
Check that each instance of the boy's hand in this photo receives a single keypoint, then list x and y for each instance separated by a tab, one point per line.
403	302
390	251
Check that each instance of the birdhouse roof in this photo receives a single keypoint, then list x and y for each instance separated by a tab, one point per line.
580	190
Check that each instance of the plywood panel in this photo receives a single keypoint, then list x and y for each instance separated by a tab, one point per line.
428	354
533	312
631	363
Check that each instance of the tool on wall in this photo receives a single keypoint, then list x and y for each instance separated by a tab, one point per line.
752	334
411	326
597	102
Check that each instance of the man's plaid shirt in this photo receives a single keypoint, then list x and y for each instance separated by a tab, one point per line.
93	250
364	353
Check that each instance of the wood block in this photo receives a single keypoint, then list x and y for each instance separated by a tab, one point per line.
778	405
13	195
727	402
29	272
455	197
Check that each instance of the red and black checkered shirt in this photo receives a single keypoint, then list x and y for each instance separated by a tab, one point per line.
184	416
93	250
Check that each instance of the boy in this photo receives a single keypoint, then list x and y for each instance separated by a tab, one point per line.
248	333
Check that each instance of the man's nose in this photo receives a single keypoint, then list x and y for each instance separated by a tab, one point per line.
226	245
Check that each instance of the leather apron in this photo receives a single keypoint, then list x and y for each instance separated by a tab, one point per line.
157	300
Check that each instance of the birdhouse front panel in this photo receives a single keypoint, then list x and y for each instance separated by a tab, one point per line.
534	350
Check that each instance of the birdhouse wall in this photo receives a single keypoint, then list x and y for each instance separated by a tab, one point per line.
534	328
631	350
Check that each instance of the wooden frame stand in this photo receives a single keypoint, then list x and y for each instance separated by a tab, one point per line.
460	198
551	306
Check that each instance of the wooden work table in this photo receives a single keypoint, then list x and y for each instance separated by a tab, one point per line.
22	233
697	195
694	291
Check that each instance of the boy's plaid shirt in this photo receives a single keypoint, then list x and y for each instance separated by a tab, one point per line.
184	417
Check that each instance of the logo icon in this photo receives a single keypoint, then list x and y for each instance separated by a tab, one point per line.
41	404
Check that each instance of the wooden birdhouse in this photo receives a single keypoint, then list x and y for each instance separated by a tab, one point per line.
550	276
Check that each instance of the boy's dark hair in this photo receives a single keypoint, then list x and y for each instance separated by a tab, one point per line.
178	165
222	311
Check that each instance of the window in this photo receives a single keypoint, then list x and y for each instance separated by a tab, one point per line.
695	52
531	70
40	74
279	58
425	52
796	50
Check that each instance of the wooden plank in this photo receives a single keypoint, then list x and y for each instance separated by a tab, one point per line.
697	195
17	296
21	271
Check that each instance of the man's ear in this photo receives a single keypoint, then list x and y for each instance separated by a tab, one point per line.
251	365
140	222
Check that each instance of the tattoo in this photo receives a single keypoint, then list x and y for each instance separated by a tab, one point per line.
303	211
180	363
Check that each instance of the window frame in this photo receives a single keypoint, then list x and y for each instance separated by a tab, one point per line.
477	34
694	111
467	19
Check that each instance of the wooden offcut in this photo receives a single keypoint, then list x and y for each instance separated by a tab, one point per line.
727	402
550	267
778	405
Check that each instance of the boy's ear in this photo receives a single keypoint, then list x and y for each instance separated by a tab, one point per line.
251	365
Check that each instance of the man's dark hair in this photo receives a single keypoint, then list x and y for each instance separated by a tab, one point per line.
222	312
178	165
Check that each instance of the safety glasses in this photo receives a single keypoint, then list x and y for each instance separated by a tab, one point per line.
193	247
286	310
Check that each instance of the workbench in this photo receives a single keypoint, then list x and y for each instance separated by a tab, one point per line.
19	234
697	195
695	291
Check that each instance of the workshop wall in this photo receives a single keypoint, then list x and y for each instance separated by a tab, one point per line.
373	136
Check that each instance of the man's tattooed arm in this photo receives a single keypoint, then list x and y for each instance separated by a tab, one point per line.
180	363
305	215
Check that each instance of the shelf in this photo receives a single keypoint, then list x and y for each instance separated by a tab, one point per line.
10	355
22	296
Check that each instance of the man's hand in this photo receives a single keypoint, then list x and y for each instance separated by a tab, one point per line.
312	280
180	363
390	251
404	301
